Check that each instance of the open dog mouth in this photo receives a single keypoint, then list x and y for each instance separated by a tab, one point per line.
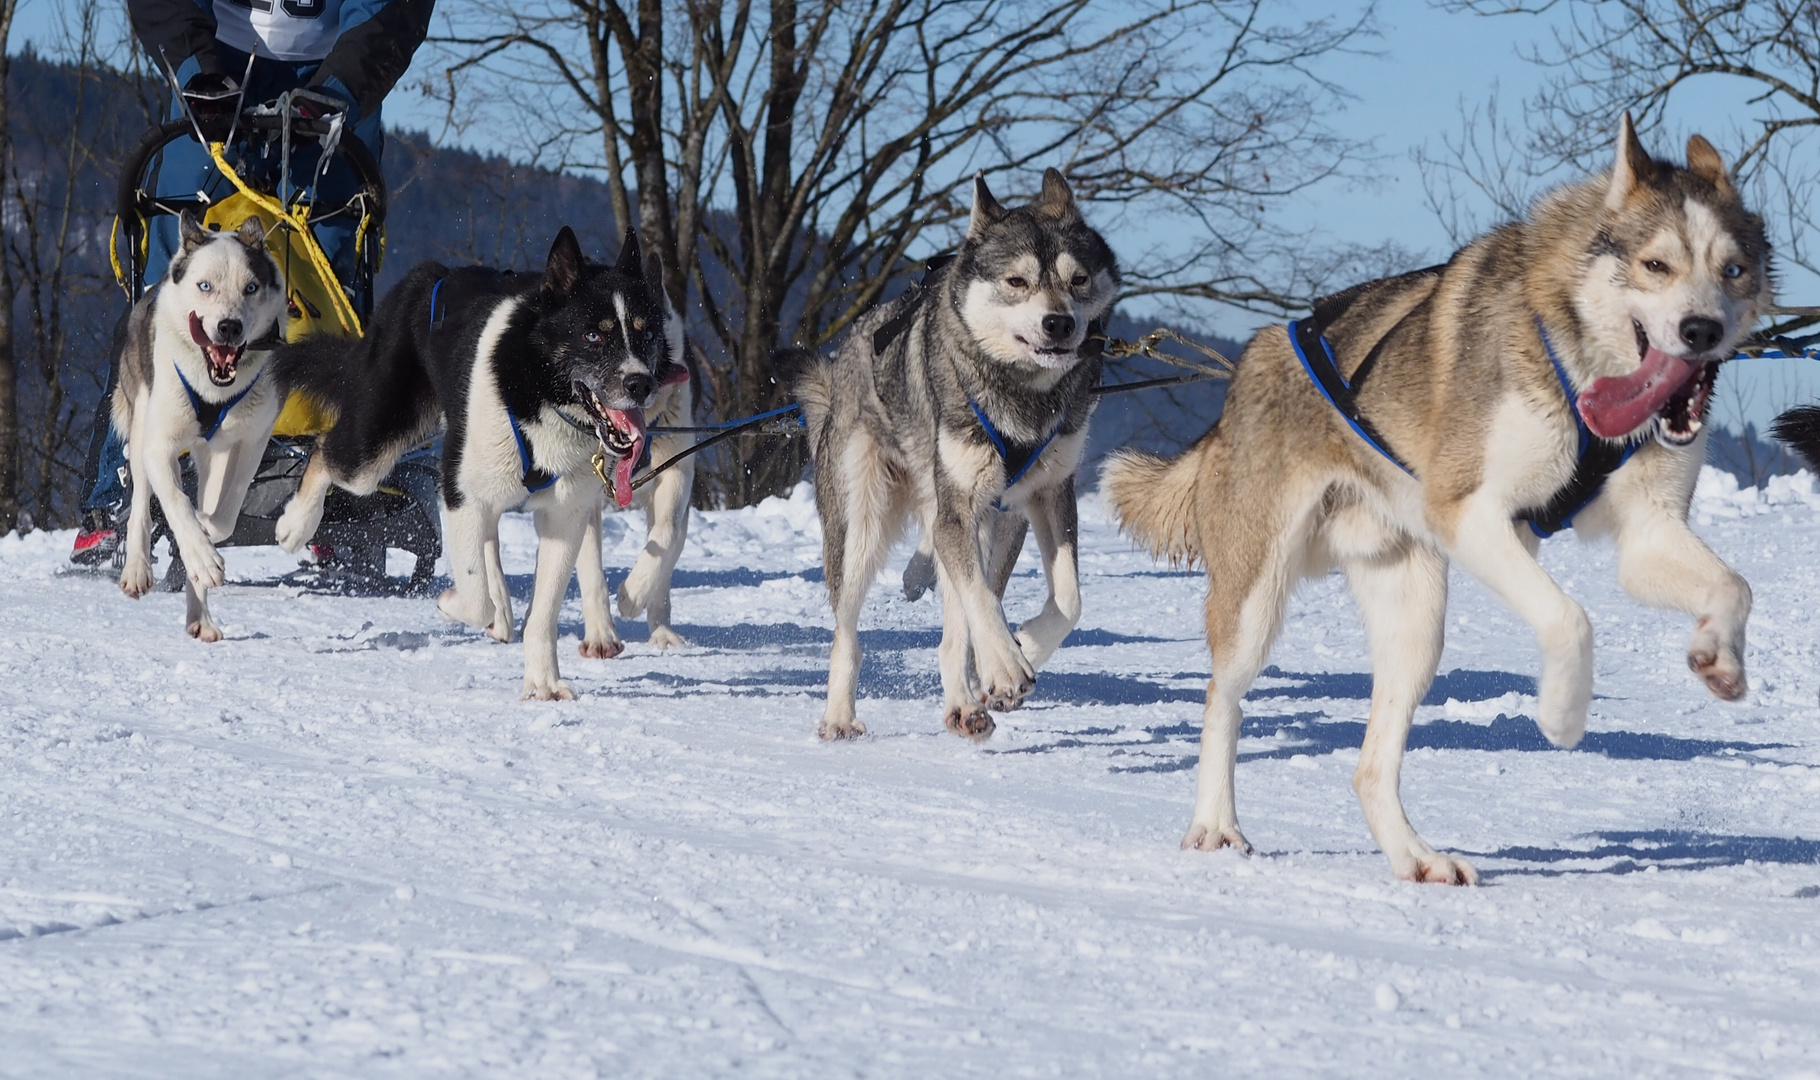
1680	420
622	437
1663	386
1046	354
223	359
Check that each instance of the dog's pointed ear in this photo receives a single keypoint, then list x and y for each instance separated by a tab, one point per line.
1632	166
1057	198
654	275
563	272
1703	161
251	233
986	209
189	226
631	260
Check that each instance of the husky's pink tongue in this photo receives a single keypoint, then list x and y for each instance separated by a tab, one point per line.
633	421
221	357
1617	405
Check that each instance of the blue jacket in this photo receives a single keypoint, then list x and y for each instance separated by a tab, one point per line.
374	46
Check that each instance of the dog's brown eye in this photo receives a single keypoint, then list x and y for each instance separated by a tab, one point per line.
1016	282
1079	280
1655	266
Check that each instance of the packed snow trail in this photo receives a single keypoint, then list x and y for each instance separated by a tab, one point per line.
336	844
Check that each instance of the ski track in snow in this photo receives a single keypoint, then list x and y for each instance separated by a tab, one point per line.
337	844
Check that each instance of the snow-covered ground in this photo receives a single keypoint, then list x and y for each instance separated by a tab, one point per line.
338	845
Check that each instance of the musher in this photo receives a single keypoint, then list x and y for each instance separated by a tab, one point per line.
351	51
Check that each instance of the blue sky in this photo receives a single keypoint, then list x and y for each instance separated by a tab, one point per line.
1428	63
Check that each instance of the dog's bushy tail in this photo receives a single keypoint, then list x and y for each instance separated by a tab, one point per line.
1799	429
803	373
317	366
1154	500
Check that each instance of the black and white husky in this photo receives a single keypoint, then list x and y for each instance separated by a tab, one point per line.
190	381
531	376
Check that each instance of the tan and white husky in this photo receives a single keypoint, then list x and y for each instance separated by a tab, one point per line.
1555	371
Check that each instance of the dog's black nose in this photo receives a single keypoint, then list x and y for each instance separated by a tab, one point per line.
638	385
228	329
1701	333
1058	327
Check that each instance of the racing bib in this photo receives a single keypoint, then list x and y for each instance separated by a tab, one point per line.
279	29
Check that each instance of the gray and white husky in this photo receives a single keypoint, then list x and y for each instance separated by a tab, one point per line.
1554	372
190	381
969	393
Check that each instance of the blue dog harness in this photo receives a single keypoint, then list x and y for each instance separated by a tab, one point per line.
1597	460
210	414
1017	458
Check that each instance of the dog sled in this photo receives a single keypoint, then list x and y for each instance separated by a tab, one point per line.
255	175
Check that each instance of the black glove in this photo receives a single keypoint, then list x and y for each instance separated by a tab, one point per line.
309	104
211	99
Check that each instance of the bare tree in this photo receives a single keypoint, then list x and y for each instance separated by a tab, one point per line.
9	369
1607	56
790	159
62	159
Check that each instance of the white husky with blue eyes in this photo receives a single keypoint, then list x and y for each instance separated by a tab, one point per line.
189	382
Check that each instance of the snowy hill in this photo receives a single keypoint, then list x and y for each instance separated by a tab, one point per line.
336	844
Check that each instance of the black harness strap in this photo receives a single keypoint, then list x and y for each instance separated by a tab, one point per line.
1317	359
1597	461
1308	337
894	327
1597	458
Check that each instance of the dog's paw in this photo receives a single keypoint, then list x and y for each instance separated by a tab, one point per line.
1006	692
1717	664
206	568
204	630
537	689
635	592
1562	731
136	579
1214	837
602	650
1438	869
1006	683
665	638
919	575
500	630
837	730
969	722
454	607
296	527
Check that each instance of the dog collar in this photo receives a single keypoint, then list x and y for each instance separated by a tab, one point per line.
210	414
